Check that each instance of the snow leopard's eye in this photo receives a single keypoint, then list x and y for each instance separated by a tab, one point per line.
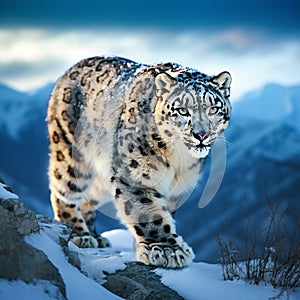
213	110
183	111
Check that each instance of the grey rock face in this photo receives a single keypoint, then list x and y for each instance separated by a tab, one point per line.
138	281
18	260
19	216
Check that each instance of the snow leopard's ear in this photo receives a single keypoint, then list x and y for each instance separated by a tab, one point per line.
223	80
163	84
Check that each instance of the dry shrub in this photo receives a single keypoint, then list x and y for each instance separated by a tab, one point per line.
269	256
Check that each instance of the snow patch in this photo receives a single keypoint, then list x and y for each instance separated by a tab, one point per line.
204	281
78	286
18	289
97	262
5	194
120	238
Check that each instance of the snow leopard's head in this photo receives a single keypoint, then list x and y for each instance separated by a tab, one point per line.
193	108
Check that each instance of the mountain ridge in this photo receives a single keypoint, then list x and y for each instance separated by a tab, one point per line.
273	102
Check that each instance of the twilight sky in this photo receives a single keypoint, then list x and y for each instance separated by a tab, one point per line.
258	41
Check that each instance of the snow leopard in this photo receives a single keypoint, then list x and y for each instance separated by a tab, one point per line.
137	135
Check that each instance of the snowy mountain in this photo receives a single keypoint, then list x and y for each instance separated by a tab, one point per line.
272	103
24	145
262	159
17	109
38	262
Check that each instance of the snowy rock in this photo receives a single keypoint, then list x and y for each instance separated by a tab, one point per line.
14	212
36	250
18	260
20	217
60	234
6	191
138	281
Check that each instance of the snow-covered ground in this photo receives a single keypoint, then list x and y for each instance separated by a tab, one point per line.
198	281
204	281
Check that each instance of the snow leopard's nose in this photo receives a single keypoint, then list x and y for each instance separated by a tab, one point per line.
201	136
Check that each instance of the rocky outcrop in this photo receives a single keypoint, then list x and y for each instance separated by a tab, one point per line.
17	215
19	260
138	281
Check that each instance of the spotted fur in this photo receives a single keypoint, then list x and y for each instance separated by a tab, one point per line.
137	135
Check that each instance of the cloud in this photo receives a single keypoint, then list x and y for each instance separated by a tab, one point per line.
277	17
32	57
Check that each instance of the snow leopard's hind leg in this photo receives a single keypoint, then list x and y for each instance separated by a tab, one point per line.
73	203
70	213
71	181
98	196
75	208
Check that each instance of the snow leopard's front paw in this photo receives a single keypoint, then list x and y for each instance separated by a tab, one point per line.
165	255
